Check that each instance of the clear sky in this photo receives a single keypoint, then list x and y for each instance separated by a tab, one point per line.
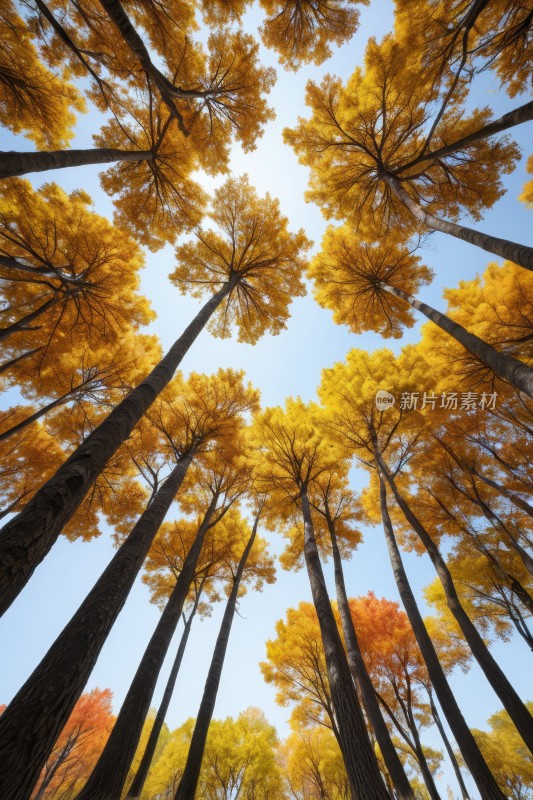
289	364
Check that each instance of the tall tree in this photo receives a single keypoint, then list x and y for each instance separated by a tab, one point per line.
292	451
365	431
253	266
210	409
366	148
368	287
251	565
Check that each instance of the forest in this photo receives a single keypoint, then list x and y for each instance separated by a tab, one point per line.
267	400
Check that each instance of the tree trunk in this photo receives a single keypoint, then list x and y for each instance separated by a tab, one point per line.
189	780
362	679
474	760
107	779
494	674
14	163
359	758
12	362
518	253
515	499
504	366
510	120
447	745
27	538
137	784
35	717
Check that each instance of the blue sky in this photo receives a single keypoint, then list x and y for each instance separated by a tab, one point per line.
289	364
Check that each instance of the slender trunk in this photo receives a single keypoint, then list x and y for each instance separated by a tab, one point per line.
504	366
20	266
474	760
27	538
359	758
510	120
22	323
137	784
35	717
494	674
16	163
515	499
363	681
420	756
191	773
448	746
518	253
107	779
14	361
40	413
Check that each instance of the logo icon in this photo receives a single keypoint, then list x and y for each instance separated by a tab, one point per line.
384	400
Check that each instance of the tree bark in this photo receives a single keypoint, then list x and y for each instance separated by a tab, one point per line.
108	777
506	367
494	674
137	784
22	323
362	679
510	120
474	760
189	780
517	253
447	745
35	717
359	758
14	361
27	538
14	163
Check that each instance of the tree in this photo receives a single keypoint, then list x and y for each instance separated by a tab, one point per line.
363	283
292	452
78	746
313	765
33	99
209	410
371	163
252	566
253	266
367	432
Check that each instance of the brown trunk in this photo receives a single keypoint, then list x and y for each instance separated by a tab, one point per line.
40	413
505	367
447	745
518	253
35	717
14	361
359	758
496	677
189	780
474	760
22	324
27	538
108	777
15	163
138	782
362	679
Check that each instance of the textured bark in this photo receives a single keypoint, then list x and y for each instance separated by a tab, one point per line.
510	120
362	679
189	780
359	758
35	717
518	253
448	746
138	782
492	671
108	777
14	163
27	538
506	367
488	788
